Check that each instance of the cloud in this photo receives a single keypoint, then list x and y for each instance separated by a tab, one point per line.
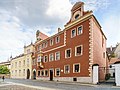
94	4
111	28
19	20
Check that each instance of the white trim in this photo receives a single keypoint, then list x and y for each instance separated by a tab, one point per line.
74	67
64	69
70	52
52	41
56	72
82	29
49	57
41	73
55	55
54	48
90	46
47	72
71	33
56	39
81	50
44	58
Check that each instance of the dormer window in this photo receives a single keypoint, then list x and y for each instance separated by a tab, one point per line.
77	16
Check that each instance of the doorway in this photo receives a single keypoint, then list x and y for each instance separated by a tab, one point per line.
34	74
51	75
28	74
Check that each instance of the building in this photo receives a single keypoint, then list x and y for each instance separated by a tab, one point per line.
21	66
7	64
114	58
70	54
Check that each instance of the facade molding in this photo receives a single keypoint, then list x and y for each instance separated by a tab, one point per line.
90	46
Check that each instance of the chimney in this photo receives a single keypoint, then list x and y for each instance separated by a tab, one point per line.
59	29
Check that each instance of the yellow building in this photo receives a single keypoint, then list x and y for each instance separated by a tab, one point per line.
21	66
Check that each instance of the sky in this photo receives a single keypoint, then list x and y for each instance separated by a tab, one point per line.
20	19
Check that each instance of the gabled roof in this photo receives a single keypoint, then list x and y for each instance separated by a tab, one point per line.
43	36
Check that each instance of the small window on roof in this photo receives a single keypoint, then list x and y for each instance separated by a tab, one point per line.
76	16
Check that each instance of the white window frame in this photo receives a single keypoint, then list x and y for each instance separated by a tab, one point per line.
47	72
81	50
82	30
65	69
56	72
74	67
49	57
66	52
71	32
56	55
58	39
37	72
41	73
52	42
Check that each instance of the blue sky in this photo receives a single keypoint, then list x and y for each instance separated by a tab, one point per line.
20	19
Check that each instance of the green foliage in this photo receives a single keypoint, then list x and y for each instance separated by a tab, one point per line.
4	70
112	55
107	76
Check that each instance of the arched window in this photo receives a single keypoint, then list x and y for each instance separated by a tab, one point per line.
76	16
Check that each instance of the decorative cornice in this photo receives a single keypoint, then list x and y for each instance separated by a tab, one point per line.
82	19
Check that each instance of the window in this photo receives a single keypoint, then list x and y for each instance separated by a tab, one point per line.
57	70
46	72
19	72
42	45
23	72
51	57
77	16
23	62
38	73
40	59
46	44
15	72
19	63
68	53
76	68
33	61
79	30
78	50
28	62
67	69
57	39
28	51
73	33
57	55
45	58
51	42
42	73
38	47
15	64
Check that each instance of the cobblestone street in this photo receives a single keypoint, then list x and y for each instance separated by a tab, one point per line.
19	84
7	86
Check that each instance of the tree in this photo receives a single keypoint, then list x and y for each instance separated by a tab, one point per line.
4	70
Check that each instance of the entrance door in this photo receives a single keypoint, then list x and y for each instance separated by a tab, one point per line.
51	75
28	74
34	74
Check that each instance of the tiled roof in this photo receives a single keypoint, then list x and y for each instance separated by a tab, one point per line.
42	36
